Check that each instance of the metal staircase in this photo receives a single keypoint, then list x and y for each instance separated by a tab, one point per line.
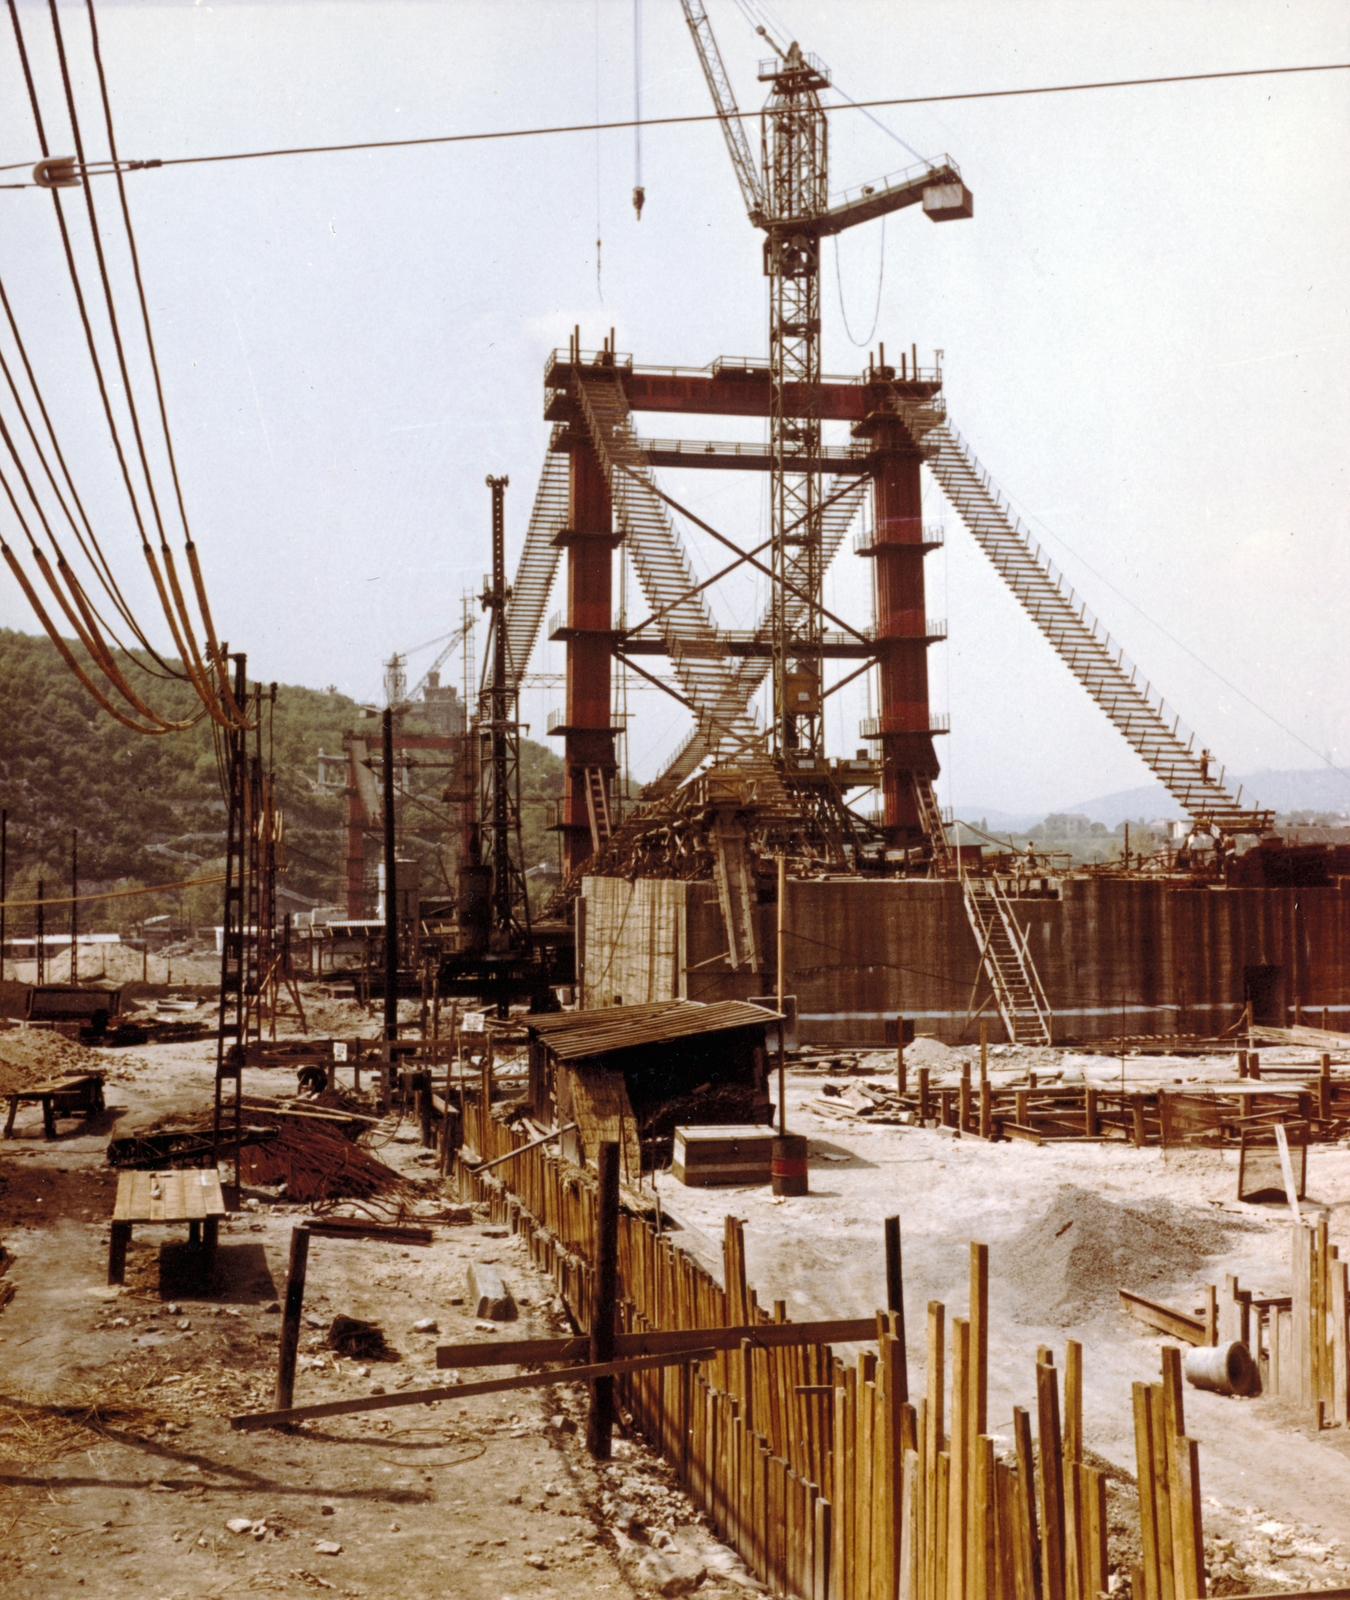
597	807
705	674
538	565
930	813
1079	639
1007	963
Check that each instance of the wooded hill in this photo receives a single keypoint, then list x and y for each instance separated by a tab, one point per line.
150	810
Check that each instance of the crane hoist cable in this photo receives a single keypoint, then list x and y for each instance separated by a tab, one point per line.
866	340
639	193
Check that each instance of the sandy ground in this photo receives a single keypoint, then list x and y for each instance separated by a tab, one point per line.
486	1499
1260	1462
493	1497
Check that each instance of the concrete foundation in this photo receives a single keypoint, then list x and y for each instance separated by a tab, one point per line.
1153	957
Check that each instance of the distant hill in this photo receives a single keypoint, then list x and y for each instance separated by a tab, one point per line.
150	809
1317	789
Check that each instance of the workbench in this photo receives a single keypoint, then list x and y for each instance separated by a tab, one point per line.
192	1196
80	1092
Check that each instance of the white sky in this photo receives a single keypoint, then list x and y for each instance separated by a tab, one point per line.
1145	326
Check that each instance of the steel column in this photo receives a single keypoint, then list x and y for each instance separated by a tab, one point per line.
906	744
588	737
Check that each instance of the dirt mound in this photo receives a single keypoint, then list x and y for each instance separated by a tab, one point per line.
30	1055
1071	1260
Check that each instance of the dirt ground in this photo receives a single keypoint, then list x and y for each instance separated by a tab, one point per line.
129	1490
1163	1223
487	1499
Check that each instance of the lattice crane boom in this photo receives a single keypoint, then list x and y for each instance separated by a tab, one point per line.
728	113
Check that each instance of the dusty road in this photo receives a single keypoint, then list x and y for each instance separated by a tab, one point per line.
486	1499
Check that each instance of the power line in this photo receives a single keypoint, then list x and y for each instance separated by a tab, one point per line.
100	169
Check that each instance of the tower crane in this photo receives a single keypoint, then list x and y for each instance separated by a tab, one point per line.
787	197
396	690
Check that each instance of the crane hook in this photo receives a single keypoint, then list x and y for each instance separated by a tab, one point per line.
639	200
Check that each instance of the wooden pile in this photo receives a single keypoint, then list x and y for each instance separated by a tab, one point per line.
1303	1344
1213	1114
822	1473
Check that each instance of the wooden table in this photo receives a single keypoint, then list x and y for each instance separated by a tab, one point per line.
75	1092
192	1196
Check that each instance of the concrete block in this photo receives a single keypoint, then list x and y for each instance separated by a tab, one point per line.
489	1295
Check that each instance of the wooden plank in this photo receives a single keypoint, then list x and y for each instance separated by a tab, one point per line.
252	1421
1163	1319
1186	1498
661	1341
1143	1458
1052	1484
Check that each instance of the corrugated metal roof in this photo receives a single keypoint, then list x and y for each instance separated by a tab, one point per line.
577	1035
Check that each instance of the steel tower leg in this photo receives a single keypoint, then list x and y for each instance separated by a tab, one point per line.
906	743
588	737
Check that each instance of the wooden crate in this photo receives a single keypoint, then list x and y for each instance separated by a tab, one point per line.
737	1154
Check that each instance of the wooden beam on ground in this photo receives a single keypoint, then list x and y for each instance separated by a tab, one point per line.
1163	1319
252	1421
357	1228
660	1341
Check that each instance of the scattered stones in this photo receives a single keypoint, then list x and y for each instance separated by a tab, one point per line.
239	1525
328	1547
426	1325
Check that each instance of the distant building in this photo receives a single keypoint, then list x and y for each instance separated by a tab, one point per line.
440	707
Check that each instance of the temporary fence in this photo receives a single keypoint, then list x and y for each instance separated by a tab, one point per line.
827	1478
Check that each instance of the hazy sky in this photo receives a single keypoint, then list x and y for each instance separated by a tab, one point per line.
1145	326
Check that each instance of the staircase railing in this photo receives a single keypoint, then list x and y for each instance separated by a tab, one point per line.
1129	701
1005	954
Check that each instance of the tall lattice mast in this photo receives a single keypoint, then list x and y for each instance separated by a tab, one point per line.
795	153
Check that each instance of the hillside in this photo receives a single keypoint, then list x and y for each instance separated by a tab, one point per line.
150	810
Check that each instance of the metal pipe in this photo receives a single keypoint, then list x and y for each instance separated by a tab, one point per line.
390	886
1222	1368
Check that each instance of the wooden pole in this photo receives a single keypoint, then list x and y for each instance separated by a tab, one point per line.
600	1427
290	1318
900	1055
895	1304
390	885
782	997
75	904
1052	1484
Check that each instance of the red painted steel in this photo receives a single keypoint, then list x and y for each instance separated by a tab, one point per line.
902	650
588	739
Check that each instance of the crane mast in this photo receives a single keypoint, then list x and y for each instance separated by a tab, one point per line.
795	147
789	199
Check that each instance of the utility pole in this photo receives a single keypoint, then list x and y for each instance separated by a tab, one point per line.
4	886
499	736
234	931
74	903
390	886
40	945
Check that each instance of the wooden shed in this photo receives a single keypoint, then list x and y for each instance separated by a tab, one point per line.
635	1073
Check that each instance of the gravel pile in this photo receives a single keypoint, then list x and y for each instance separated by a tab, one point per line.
1068	1264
